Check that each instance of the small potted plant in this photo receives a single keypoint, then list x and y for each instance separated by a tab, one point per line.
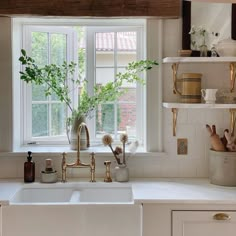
199	37
56	77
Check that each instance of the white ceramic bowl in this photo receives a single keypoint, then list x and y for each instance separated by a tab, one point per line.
226	48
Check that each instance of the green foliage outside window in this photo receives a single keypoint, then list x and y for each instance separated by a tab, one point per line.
56	77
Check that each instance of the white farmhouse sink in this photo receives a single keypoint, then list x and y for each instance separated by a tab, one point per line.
72	194
77	208
42	195
103	195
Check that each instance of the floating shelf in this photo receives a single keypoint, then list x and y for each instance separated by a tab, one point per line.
178	60
175	106
199	59
198	105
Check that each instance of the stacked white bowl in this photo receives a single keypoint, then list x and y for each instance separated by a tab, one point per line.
226	48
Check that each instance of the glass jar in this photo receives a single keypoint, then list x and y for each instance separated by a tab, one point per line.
203	50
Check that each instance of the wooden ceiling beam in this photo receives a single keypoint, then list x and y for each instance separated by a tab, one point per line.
92	8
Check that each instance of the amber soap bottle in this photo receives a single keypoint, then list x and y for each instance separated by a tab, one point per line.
29	169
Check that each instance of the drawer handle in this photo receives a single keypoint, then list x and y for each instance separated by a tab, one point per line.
221	216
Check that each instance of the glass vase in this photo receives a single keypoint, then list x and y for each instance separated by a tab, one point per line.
203	51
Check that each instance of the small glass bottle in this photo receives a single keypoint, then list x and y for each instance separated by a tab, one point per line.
29	169
203	50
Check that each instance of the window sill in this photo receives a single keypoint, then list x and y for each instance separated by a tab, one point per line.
55	150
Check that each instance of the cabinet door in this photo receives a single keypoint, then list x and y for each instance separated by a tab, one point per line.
203	223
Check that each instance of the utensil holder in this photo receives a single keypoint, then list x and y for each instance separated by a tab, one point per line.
222	168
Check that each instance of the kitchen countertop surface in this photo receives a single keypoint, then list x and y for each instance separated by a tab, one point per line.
147	190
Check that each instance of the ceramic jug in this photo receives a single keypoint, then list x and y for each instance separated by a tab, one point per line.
209	95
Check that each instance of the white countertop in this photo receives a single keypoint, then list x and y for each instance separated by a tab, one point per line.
176	190
182	191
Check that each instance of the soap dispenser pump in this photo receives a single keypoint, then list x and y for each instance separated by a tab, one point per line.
29	169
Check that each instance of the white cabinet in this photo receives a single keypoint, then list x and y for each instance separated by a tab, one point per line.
203	223
189	219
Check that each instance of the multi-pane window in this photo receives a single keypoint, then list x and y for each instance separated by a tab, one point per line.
48	113
100	54
114	50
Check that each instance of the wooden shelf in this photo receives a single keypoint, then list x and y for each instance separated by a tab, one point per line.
199	59
198	105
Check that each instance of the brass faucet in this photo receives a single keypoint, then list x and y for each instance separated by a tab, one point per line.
78	163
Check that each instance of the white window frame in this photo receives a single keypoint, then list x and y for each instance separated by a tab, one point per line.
91	75
71	55
10	135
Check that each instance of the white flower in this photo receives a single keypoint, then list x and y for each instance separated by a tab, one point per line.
133	147
107	140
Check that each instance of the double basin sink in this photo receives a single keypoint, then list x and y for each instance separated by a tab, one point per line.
73	193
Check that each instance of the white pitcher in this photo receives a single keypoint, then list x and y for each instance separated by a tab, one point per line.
209	95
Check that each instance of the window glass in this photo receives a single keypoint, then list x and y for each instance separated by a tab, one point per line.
48	113
58	112
40	120
105	49
39	47
126	48
58	48
114	50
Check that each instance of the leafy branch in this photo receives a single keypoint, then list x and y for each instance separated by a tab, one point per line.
56	78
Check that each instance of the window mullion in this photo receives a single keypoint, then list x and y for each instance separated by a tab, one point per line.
49	97
91	72
115	72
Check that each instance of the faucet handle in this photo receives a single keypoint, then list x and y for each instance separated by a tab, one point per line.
108	178
92	167
63	167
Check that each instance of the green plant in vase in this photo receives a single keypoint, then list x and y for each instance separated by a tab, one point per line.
56	78
199	38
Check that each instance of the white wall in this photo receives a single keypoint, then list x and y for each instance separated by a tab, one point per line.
5	88
191	125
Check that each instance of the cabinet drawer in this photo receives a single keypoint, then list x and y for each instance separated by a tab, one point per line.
204	223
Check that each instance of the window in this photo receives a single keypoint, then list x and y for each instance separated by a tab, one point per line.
114	48
45	116
110	52
94	29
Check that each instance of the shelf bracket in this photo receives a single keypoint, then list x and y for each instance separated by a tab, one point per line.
232	121
175	71
232	76
175	114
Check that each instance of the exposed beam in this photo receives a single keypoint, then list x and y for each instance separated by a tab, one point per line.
97	8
